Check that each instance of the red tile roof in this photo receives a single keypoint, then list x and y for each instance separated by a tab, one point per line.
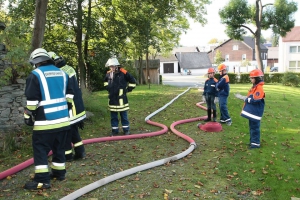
293	35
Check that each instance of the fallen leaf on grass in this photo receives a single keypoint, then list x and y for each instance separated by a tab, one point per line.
168	191
257	192
199	183
155	185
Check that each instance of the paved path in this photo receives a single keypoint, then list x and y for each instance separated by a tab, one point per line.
184	80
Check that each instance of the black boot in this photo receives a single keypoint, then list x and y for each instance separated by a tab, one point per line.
208	116
214	115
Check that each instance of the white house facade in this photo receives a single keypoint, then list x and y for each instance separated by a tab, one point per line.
289	51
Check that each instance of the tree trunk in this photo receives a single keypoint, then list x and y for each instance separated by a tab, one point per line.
39	24
258	34
147	67
81	65
141	70
86	44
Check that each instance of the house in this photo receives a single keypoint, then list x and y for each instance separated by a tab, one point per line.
168	64
193	62
289	51
184	60
272	58
235	52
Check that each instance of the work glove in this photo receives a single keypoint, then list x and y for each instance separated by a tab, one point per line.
81	125
203	99
28	117
216	100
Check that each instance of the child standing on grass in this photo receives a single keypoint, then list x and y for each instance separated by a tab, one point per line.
254	107
210	94
223	89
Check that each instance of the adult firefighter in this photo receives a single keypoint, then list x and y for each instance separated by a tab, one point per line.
48	94
118	82
76	113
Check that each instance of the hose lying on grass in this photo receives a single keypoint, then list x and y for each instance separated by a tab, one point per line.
122	174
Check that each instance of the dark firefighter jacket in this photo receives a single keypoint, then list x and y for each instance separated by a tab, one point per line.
77	113
48	92
118	84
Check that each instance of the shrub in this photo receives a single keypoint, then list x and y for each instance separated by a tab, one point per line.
291	79
232	77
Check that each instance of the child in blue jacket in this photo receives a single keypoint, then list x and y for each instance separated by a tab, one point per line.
210	94
223	89
254	107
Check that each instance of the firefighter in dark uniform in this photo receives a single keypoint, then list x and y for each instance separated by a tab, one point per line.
49	95
118	82
77	112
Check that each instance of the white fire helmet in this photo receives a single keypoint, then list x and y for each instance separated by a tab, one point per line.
53	55
39	55
112	62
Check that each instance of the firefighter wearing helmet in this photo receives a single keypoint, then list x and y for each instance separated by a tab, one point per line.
118	83
76	113
223	89
48	94
209	94
254	107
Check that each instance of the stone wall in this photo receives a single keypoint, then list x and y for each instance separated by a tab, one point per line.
12	102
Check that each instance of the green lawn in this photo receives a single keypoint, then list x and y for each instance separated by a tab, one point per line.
221	167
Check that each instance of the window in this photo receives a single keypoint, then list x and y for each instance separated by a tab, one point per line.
244	57
293	49
235	47
294	65
227	57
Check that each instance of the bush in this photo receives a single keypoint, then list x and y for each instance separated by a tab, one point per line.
290	79
232	77
244	78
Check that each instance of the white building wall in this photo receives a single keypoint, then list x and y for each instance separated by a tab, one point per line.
161	68
235	67
285	56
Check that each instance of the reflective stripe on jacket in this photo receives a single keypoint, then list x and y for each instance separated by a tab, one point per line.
77	113
117	85
46	96
254	103
210	87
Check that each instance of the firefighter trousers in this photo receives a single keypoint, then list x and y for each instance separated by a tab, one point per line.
74	138
42	144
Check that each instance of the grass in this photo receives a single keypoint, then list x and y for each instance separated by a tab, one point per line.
221	167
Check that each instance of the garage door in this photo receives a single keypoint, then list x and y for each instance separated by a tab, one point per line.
168	68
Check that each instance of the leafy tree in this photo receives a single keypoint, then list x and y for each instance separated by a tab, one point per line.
245	63
275	40
238	15
213	41
218	57
17	44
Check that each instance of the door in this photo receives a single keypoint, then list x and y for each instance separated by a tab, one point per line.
168	68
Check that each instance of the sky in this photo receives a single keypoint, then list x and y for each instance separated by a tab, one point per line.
199	35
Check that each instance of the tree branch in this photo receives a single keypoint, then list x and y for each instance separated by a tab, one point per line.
246	27
268	4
